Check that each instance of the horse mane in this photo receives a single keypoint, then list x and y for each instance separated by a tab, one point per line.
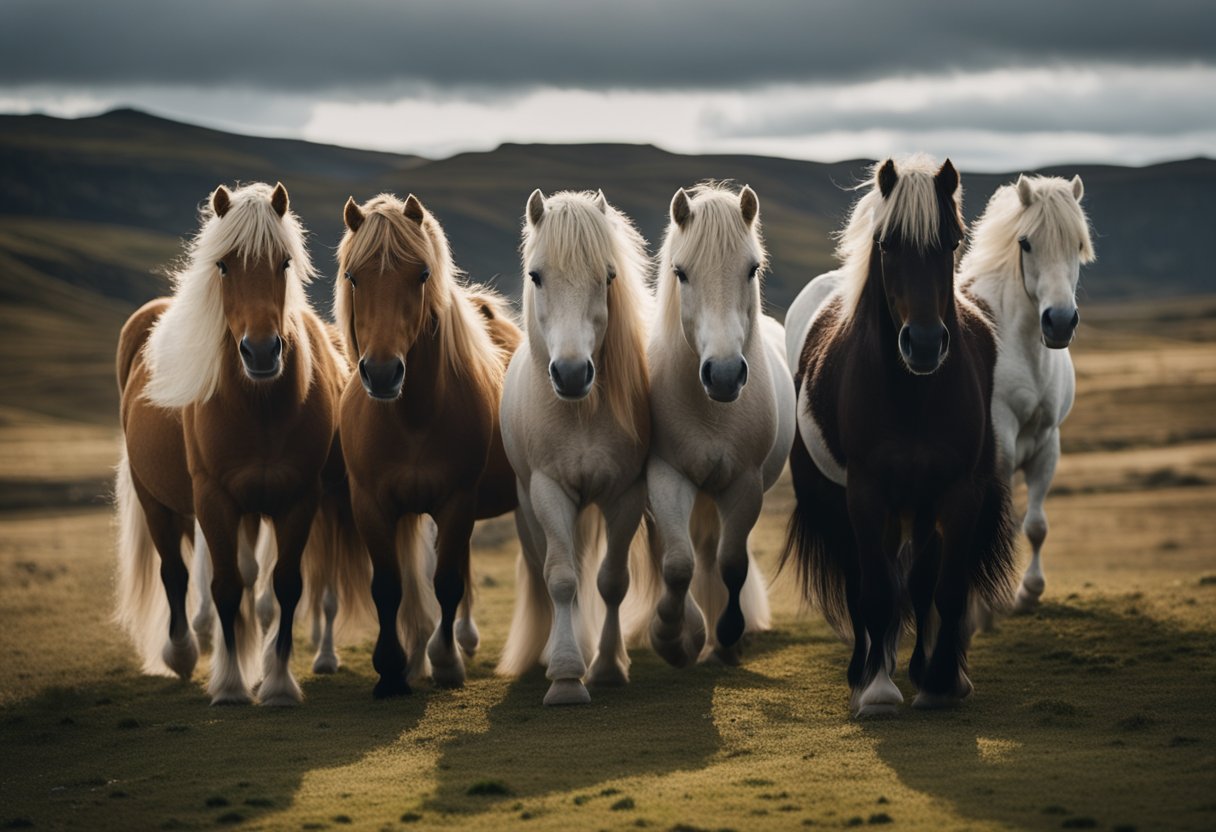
185	349
911	212
388	238
1054	215
573	234
719	227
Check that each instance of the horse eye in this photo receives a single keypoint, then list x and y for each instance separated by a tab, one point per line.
222	267
611	275
351	278
426	273
1024	243
287	264
683	278
957	243
535	278
1081	247
754	270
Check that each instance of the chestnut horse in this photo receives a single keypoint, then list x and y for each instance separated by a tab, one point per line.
255	376
419	426
900	505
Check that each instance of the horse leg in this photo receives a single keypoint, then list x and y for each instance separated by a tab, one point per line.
220	518
455	521
677	631
921	583
292	527
180	652
379	532
258	546
326	660
200	571
557	516
944	682
467	635
1040	469
878	600
739	507
622	516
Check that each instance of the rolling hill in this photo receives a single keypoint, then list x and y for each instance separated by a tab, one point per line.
92	208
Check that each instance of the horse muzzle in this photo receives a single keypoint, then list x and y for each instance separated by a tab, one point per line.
924	348
1059	326
572	379
724	378
262	357
382	380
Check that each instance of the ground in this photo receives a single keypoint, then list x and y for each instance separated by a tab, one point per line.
1096	712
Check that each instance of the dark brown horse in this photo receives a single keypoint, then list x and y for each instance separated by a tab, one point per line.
899	508
253	375
419	426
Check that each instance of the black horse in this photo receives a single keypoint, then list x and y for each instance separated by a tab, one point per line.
900	512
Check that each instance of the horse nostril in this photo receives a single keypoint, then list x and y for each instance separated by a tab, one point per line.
945	345
246	350
590	374
1076	318
742	380
707	373
277	349
1048	326
905	341
553	374
363	372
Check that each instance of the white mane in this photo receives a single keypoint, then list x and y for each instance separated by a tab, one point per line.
185	348
713	236
911	212
1055	219
576	241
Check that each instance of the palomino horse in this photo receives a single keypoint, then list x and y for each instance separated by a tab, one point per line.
1023	264
419	426
723	406
576	425
256	376
899	500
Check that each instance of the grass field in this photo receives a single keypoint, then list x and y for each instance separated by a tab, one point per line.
1097	712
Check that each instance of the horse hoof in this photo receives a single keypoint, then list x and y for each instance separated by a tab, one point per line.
279	700
607	674
926	701
181	656
467	636
881	698
232	697
1026	601
726	656
567	692
325	663
876	710
391	686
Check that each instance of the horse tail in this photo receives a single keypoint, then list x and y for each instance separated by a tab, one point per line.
533	615
141	609
419	611
993	565
590	547
336	564
819	539
645	583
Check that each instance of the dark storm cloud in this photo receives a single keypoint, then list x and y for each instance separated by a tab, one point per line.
369	44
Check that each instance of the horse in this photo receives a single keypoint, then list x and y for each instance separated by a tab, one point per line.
723	422
1023	265
576	427
254	376
900	508
419	427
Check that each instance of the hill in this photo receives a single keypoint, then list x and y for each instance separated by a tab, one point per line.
90	208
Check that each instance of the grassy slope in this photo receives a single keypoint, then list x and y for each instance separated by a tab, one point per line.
1097	711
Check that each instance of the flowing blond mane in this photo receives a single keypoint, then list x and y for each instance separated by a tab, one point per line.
185	349
911	212
388	238
575	233
1054	218
715	234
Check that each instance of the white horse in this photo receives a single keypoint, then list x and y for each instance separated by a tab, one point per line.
723	410
1023	265
576	428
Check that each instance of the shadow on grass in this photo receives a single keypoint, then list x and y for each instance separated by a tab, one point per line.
140	752
1091	716
660	722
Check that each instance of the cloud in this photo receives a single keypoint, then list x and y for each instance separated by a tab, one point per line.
371	47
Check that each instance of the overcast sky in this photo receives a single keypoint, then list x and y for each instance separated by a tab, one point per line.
995	85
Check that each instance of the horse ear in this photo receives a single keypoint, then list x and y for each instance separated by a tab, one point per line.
278	199
221	201
887	177
681	211
1078	188
536	207
1025	191
413	209
601	201
749	204
947	178
351	215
